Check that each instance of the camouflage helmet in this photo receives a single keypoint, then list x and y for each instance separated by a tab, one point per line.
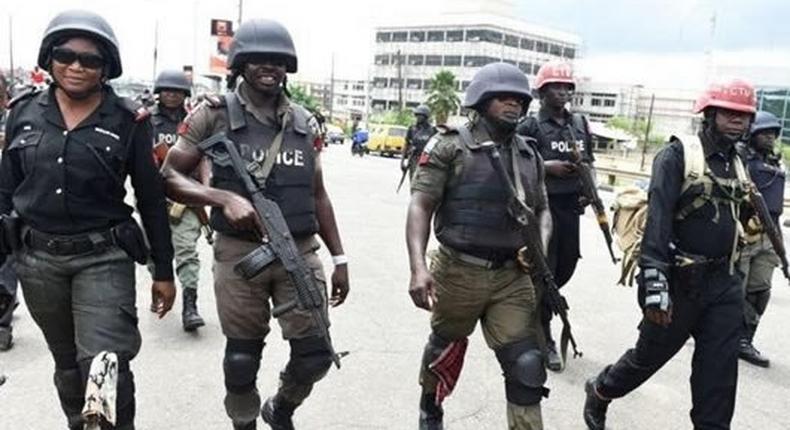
172	80
262	36
81	23
497	78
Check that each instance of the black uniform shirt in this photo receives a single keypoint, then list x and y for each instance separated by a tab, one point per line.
70	182
556	142
417	136
696	234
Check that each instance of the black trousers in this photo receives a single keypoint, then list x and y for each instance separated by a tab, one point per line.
563	253
708	306
8	286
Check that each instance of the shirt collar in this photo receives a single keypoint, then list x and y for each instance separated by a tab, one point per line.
53	115
545	116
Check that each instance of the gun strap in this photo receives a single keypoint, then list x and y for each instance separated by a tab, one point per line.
261	172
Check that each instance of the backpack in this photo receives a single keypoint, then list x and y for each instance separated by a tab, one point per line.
630	204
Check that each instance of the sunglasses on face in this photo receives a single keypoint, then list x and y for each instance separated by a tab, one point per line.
87	59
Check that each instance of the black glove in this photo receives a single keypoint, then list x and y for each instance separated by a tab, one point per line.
656	290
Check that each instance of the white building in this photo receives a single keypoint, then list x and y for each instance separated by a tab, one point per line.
351	97
407	57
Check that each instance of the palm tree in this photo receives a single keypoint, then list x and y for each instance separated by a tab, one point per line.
442	98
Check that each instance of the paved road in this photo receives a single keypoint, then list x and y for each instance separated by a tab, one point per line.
179	378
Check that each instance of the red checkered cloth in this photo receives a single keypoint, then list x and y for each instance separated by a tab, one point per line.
447	367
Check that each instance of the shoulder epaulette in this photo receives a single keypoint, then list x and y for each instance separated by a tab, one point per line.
215	101
24	95
137	109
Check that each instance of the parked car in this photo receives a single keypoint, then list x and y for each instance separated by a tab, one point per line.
334	134
386	139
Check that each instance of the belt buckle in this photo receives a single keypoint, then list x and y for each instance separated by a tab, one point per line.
52	245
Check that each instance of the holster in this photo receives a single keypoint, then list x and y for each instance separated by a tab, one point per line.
129	237
254	262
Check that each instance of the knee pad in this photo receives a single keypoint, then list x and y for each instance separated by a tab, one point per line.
310	360
241	364
524	371
433	349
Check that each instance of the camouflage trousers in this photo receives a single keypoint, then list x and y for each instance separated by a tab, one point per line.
758	261
503	300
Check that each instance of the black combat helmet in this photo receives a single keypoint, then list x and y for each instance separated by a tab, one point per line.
73	23
765	121
497	78
172	80
261	36
422	110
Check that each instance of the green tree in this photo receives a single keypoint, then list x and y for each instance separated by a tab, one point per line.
398	117
442	98
299	95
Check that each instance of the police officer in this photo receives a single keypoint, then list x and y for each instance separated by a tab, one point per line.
688	282
8	280
70	149
562	137
253	115
758	258
417	136
474	276
173	87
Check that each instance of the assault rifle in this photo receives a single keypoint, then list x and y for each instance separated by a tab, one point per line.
278	245
590	193
757	202
531	256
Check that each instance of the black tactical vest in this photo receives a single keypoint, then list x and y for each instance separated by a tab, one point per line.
473	217
420	137
770	180
557	143
165	129
290	183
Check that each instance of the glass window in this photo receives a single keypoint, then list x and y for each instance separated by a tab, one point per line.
455	36
435	36
492	36
417	36
528	44
525	67
401	132
539	46
382	60
400	36
416	60
395	83
569	53
510	62
608	103
474	35
595	102
433	60
452	60
535	68
395	61
383	36
426	84
511	40
414	84
380	82
378	104
478	61
555	50
393	104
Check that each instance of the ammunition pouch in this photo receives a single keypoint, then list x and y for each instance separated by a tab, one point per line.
129	237
254	262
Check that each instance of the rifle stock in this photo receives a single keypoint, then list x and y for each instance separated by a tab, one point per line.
309	296
757	202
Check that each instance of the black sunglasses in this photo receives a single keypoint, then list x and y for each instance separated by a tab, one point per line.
87	59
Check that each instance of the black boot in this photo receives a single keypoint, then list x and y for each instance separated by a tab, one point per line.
553	359
277	412
190	318
249	426
6	338
750	354
594	407
431	415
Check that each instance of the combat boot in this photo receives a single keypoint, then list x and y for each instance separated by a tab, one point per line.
431	415
277	412
6	338
553	359
594	407
190	318
750	354
248	426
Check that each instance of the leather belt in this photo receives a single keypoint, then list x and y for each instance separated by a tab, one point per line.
68	245
477	261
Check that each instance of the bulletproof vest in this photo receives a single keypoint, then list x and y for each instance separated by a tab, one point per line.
557	143
165	129
473	216
769	177
290	183
420	135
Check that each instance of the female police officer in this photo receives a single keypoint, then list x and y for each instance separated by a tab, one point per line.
70	149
